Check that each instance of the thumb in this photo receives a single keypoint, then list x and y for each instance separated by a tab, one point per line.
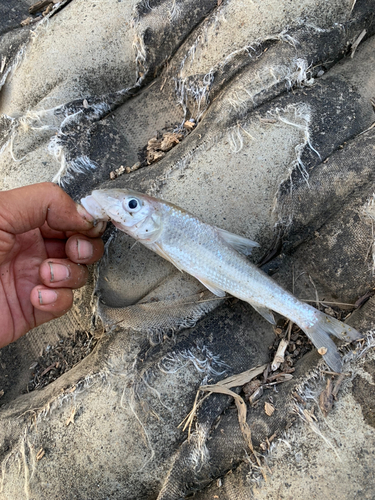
29	207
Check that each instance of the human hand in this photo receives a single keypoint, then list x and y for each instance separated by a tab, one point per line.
44	243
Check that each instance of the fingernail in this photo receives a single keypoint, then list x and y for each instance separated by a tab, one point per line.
100	226
84	213
84	249
46	297
58	272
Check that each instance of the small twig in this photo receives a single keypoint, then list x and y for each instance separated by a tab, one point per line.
279	355
326	398
367	129
289	331
339	381
316	292
246	132
47	369
357	42
323	302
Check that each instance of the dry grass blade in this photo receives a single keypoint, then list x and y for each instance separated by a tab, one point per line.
224	387
237	380
242	411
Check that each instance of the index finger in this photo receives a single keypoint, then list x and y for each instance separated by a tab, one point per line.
29	207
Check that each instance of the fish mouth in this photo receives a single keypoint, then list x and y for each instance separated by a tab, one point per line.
96	205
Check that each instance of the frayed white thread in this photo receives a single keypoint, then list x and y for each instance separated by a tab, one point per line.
301	412
351	356
301	119
203	360
42	25
283	36
198	93
12	67
140	55
131	404
199	454
369	211
174	11
79	165
299	74
235	139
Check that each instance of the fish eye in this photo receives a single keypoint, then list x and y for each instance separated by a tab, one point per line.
132	205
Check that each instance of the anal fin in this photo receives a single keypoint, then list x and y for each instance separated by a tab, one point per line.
263	311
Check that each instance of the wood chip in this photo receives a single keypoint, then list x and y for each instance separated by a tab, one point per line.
39	6
116	173
154	156
70	420
251	386
326	398
169	141
269	409
256	395
3	61
280	355
48	10
156	148
28	20
188	125
362	300
298	398
133	168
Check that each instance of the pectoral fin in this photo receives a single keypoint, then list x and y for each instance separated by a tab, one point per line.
239	243
211	287
264	311
157	249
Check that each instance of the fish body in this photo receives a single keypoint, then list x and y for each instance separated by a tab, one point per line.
216	258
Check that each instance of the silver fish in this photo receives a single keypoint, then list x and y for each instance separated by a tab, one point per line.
216	258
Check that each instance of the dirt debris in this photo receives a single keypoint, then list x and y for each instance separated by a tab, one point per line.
60	358
157	147
119	171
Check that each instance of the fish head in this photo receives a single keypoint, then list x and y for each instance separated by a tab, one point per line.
134	213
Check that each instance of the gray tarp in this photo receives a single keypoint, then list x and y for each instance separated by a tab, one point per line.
280	150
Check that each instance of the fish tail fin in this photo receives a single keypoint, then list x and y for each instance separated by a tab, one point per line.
319	333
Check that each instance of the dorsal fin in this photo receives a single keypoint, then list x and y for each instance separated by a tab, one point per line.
239	243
